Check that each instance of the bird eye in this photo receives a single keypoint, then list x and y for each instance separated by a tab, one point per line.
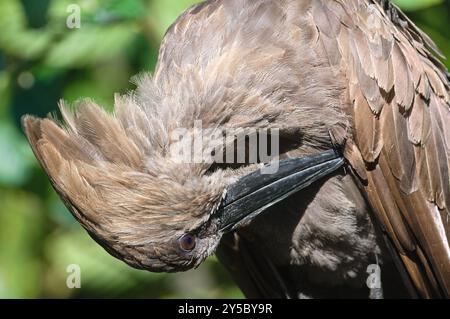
187	242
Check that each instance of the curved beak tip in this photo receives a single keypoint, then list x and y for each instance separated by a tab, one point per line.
257	191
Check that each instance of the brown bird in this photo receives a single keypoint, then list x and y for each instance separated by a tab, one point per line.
361	104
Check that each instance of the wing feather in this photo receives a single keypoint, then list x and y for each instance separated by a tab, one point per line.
404	138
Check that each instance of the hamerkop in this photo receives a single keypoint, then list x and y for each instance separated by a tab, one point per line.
360	102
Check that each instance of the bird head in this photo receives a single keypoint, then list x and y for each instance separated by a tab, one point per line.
144	206
139	203
118	175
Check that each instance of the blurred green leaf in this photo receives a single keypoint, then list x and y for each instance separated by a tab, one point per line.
21	229
91	45
416	4
100	272
57	12
5	92
36	12
100	12
16	157
163	13
15	38
119	10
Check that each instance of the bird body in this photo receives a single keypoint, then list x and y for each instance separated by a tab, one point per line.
354	76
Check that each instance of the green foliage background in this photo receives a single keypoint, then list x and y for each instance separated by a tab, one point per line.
42	61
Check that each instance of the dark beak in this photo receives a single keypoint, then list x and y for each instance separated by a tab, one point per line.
256	191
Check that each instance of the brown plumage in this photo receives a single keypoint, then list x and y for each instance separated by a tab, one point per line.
353	75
